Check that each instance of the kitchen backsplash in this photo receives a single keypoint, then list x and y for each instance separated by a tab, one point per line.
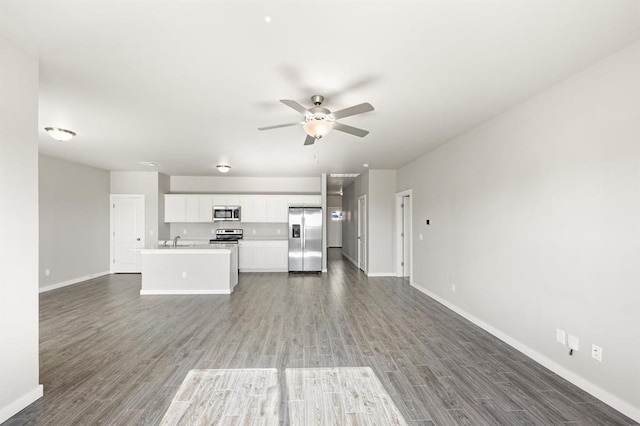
207	230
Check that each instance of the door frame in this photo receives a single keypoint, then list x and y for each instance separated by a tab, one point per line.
111	230
362	233
398	240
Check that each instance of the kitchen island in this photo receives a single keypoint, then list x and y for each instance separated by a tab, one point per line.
195	269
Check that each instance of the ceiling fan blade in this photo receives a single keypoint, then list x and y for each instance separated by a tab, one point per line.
350	129
356	109
309	140
277	126
293	104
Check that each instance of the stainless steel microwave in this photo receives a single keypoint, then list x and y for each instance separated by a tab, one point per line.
226	213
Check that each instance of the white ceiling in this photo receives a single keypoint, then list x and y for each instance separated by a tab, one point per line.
185	84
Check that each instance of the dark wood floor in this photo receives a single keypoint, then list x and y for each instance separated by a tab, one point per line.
108	355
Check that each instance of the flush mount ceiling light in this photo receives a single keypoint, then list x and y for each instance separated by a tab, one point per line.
60	134
148	164
223	168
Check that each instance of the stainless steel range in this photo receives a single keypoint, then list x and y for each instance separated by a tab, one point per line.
227	236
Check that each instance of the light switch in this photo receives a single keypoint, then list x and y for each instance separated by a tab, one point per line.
574	342
561	336
420	236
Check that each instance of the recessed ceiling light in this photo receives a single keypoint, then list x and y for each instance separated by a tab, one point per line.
344	175
365	165
148	164
267	19
223	168
60	134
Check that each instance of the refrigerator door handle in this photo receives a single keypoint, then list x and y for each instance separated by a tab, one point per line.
303	234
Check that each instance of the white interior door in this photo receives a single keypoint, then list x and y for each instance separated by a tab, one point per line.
362	233
127	232
406	236
334	227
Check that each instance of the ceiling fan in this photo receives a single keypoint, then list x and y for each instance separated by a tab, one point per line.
319	121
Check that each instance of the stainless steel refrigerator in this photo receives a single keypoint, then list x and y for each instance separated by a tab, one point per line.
305	239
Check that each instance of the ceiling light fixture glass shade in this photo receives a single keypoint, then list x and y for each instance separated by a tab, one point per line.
317	128
223	168
60	134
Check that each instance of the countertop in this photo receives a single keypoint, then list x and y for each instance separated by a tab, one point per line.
263	238
191	248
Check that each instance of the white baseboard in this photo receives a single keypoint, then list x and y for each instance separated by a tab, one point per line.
72	281
381	274
584	384
16	406
182	292
350	259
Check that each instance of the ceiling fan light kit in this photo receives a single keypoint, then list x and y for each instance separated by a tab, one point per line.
319	121
60	134
317	128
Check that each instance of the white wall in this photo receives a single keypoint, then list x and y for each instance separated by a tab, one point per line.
164	187
535	219
248	185
19	217
74	221
206	231
146	183
381	212
334	200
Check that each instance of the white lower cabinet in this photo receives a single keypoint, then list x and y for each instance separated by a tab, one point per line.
264	256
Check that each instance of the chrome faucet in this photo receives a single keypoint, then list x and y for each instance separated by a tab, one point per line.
175	241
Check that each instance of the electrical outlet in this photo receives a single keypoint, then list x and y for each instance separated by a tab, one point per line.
253	231
420	236
184	232
453	288
278	232
596	352
213	231
561	336
47	272
574	342
184	274
151	232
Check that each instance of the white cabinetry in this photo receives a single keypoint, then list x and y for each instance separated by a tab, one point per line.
192	208
254	208
305	201
264	256
205	208
174	208
181	208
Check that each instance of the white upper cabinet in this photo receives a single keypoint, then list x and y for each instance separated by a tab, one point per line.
254	208
174	208
192	208
277	209
205	208
305	201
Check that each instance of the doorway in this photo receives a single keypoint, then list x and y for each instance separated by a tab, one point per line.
404	244
127	232
362	233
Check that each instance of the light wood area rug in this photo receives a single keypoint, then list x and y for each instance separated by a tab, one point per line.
339	396
315	396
